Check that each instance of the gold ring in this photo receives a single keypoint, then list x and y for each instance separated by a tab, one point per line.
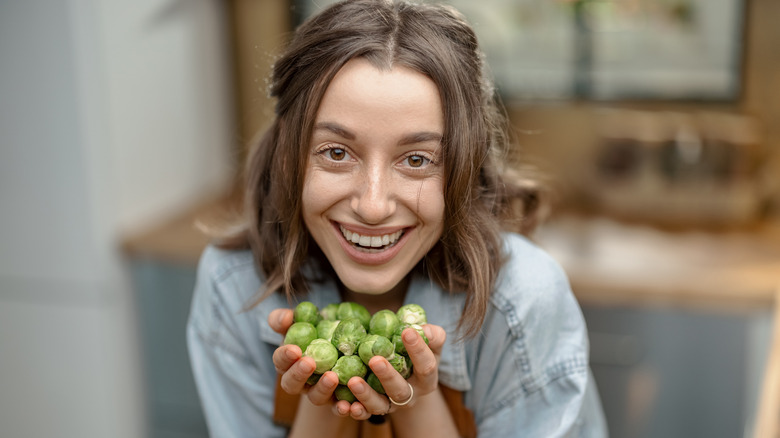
411	394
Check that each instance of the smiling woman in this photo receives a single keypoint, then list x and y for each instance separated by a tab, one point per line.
380	183
372	196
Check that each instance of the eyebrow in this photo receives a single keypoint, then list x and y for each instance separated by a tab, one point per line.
335	128
412	138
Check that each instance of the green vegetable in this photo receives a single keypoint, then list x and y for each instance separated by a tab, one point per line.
300	334
375	345
412	314
348	367
344	337
400	348
313	379
306	311
323	353
402	364
342	392
373	382
350	309
330	312
325	328
384	323
348	335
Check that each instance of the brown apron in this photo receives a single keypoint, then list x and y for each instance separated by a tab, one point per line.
285	406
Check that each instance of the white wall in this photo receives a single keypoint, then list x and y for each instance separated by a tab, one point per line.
113	116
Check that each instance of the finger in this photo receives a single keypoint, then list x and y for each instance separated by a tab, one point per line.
295	378
341	408
425	363
370	401
322	392
285	356
394	384
436	337
358	412
280	320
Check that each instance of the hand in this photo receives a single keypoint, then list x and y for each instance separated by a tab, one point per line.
424	379
296	369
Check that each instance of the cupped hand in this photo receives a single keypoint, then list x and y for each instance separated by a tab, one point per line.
424	379
296	369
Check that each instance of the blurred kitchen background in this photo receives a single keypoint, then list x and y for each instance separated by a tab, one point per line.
655	123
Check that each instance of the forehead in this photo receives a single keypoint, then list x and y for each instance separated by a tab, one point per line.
362	95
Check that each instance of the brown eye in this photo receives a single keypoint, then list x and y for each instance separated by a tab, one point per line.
337	154
417	161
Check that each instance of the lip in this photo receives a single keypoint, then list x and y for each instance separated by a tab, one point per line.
370	258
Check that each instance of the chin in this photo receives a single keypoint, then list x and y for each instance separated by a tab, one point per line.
369	285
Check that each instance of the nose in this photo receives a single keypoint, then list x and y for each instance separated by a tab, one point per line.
374	200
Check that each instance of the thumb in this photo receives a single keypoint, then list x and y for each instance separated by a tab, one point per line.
280	320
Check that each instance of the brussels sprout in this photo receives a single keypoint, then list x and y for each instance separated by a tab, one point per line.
313	379
342	392
323	353
300	334
350	309
348	367
348	335
306	311
400	348
330	312
384	323
412	314
373	382
375	345
325	329
402	364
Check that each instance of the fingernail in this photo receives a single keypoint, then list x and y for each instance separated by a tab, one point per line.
410	337
380	366
291	354
280	318
359	387
308	367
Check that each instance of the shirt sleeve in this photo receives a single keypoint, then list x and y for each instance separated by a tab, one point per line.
236	389
534	358
568	407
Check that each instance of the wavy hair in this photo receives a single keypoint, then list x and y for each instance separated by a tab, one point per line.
481	199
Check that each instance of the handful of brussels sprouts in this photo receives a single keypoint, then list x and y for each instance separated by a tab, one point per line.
343	337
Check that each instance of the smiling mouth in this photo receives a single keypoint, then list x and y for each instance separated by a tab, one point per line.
371	244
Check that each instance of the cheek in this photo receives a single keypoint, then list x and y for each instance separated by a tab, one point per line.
430	204
319	192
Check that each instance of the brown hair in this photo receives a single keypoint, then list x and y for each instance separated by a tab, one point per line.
480	200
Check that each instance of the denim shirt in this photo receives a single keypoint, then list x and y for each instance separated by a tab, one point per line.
525	374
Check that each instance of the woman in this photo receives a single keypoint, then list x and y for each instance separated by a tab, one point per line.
380	183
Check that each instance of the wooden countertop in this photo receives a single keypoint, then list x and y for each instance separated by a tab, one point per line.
609	262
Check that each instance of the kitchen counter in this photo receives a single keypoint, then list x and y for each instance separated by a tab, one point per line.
615	263
611	263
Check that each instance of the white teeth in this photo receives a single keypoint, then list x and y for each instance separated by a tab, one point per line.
371	241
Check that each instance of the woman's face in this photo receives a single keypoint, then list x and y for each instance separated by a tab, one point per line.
372	196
